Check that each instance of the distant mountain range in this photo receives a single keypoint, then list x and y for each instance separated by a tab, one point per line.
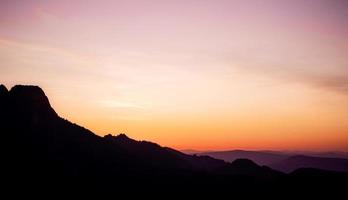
292	163
44	148
285	161
259	157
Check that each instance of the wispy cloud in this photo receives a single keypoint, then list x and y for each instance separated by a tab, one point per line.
337	83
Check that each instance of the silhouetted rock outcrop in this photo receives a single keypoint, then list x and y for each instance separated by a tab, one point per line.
3	107
30	101
3	90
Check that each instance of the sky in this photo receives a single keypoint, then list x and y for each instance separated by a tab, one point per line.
188	74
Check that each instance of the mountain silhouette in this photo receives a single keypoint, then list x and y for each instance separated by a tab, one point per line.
165	157
53	143
300	161
287	161
247	169
259	157
40	146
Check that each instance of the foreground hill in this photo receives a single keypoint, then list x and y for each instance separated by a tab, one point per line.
42	147
36	132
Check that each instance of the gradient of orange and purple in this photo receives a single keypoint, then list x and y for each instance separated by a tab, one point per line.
198	74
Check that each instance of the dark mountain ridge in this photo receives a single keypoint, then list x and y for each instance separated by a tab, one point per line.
32	124
39	145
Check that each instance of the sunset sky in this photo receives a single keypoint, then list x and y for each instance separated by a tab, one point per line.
189	74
